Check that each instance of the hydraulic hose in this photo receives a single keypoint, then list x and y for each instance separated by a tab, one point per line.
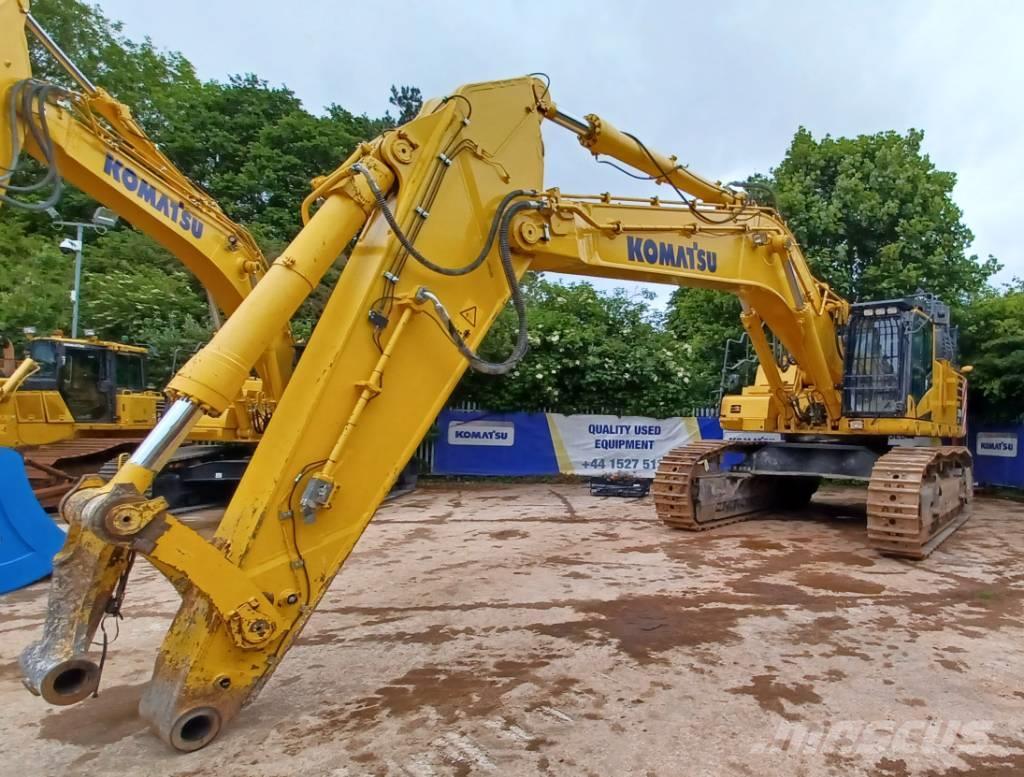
522	341
500	226
389	217
27	92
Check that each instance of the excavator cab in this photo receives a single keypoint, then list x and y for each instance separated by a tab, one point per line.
88	374
890	355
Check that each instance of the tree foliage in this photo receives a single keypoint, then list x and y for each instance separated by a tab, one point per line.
992	341
35	281
588	352
408	100
705	320
876	219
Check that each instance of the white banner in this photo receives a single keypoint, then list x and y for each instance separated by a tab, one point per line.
609	444
997	444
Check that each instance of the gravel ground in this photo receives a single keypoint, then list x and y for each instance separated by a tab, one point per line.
536	630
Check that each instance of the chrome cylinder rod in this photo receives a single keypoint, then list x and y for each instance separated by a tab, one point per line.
571	123
167	436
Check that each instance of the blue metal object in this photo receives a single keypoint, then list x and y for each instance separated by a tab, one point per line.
28	536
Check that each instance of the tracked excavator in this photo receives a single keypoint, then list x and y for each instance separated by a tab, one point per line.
73	405
446	213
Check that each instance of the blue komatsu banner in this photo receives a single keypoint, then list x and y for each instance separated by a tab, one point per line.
997	454
474	442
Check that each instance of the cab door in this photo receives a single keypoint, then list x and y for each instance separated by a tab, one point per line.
86	383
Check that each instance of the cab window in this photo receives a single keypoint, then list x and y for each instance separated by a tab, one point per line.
80	377
920	357
130	373
44	353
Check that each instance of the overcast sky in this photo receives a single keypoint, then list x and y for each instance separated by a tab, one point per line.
723	85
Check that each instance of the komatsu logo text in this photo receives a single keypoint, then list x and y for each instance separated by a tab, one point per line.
690	257
131	181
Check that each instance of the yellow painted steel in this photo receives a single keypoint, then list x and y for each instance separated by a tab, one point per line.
13	381
14	62
380	366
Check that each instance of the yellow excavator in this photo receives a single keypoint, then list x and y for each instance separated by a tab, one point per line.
446	214
74	404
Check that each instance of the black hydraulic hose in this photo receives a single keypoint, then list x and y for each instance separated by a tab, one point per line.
389	217
500	227
30	91
522	339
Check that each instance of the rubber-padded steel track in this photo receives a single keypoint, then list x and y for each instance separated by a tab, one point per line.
918	497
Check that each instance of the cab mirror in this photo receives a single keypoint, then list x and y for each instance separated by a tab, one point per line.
967	369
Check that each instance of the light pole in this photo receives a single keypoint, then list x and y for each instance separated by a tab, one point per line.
102	219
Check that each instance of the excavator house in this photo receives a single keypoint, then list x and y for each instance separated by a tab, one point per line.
65	383
441	215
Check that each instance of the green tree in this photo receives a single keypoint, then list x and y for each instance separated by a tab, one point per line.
588	352
35	282
704	320
139	74
876	219
408	100
992	340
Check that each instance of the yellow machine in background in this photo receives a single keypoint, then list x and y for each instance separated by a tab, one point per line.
71	405
85	383
91	140
74	404
447	213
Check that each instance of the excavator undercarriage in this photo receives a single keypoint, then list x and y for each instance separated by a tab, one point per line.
917	496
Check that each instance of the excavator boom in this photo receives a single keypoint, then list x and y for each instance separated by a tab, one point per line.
448	212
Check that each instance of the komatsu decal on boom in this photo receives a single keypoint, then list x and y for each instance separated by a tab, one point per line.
447	212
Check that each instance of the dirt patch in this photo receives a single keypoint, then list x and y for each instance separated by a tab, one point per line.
771	694
838	584
820	631
508	534
754	543
109	718
845	558
445	692
984	766
892	767
644	626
